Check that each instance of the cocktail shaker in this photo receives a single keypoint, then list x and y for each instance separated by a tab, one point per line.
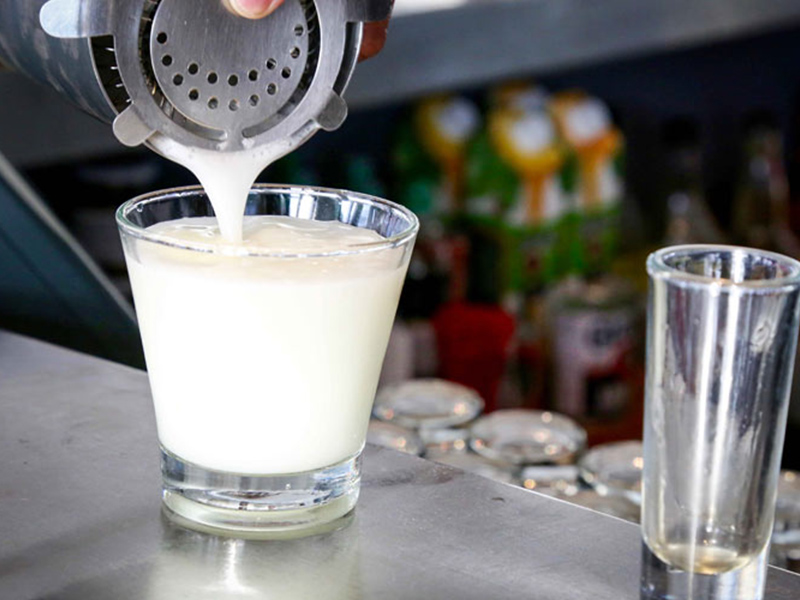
190	69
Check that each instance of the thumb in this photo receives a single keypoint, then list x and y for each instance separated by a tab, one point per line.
253	9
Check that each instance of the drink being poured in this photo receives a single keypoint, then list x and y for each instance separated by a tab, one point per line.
264	352
264	337
264	333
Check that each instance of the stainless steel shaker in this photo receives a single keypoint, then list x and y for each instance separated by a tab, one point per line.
190	69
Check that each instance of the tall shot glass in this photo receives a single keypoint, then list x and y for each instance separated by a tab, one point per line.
722	332
263	363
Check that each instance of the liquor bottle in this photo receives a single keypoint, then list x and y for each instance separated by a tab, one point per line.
793	166
761	207
515	196
792	450
361	175
474	342
762	210
428	160
597	147
515	201
594	344
688	219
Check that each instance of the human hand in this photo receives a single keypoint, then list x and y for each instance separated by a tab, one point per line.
374	33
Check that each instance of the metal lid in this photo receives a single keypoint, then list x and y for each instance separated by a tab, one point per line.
452	439
473	463
785	546
527	437
553	480
616	506
789	488
615	469
787	504
388	435
427	404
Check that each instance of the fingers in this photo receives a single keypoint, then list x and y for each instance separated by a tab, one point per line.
253	9
374	33
374	39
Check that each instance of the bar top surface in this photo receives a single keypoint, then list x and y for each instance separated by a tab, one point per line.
80	515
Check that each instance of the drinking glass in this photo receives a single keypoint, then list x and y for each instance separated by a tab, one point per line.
263	364
722	332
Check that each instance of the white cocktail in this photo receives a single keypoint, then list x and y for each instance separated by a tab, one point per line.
264	355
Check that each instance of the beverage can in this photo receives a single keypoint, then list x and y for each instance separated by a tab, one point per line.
593	343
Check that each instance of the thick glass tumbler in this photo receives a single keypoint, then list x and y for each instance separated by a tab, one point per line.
722	332
263	360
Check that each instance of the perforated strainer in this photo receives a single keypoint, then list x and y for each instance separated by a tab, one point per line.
196	73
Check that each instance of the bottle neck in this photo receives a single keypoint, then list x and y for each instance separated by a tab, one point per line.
686	171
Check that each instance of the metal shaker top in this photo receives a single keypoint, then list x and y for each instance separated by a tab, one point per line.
200	75
64	65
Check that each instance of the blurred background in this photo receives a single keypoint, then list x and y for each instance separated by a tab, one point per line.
547	145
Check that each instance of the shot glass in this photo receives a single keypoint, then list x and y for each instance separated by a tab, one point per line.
722	332
263	365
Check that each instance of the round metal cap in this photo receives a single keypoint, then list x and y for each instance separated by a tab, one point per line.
553	480
525	437
615	506
427	404
479	465
615	469
450	439
388	435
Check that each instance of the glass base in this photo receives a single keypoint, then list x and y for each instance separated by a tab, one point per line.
663	582
263	506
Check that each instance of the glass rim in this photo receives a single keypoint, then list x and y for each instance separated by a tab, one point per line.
126	226
657	267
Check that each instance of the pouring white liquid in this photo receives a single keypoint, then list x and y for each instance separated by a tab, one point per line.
261	365
225	176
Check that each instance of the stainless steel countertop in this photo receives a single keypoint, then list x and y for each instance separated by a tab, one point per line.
80	517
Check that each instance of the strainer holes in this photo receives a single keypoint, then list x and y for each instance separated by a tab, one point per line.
271	64
166	60
286	73
299	30
161	38
295	52
253	75
213	103
177	79
233	105
272	89
212	78
193	94
233	80
254	100
193	69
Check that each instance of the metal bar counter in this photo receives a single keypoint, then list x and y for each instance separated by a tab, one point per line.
80	515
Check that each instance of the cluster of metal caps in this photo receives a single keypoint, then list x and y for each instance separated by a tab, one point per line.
537	450
541	451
